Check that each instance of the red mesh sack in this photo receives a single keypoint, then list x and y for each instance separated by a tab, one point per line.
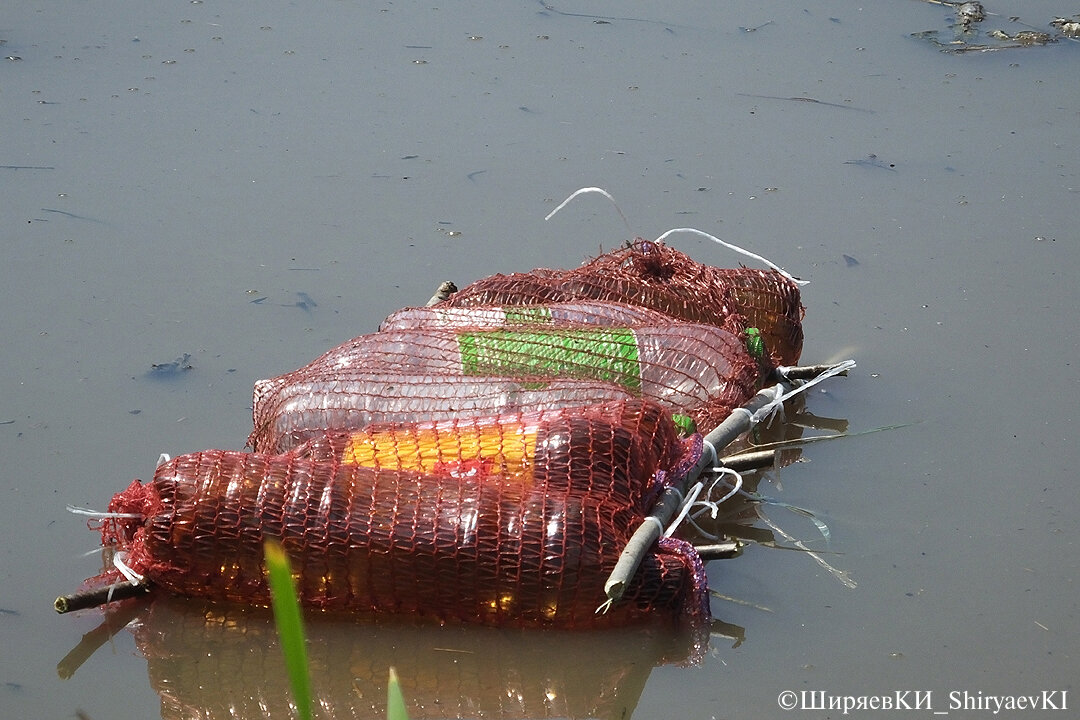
699	370
500	550
655	276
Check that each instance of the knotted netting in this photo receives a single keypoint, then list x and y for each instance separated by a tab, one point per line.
528	542
484	460
591	313
702	371
655	276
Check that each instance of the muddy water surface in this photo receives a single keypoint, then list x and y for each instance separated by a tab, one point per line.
198	195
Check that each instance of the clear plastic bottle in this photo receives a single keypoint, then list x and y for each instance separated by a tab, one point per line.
680	365
497	316
306	403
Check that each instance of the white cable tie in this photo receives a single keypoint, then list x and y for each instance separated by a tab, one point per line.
782	398
163	458
772	407
737	249
133	577
583	190
684	508
749	415
709	450
579	191
100	515
736	486
656	520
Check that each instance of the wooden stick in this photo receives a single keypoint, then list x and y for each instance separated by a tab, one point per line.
443	293
718	551
749	460
738	422
99	596
651	528
801	372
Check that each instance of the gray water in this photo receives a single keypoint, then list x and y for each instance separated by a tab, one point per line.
246	184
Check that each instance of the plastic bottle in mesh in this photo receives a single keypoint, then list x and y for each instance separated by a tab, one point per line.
549	447
305	403
503	552
655	276
499	316
681	364
699	370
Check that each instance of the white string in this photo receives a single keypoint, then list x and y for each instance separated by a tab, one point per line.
684	508
729	246
772	408
749	415
692	502
583	190
100	515
780	397
163	458
656	520
133	577
735	488
737	249
709	450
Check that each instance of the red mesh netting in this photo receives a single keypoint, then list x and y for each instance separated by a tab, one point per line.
700	370
532	547
484	460
585	447
655	276
557	314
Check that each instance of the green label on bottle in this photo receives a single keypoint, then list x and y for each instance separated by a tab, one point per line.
527	315
684	423
609	354
755	344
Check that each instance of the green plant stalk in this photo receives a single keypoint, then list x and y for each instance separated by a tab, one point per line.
290	625
395	702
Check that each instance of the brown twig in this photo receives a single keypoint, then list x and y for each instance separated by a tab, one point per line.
99	596
802	372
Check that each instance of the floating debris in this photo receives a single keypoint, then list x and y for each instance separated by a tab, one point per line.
170	370
1069	27
964	35
1024	38
874	161
969	13
804	99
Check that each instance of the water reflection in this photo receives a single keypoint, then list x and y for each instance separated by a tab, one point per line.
209	661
